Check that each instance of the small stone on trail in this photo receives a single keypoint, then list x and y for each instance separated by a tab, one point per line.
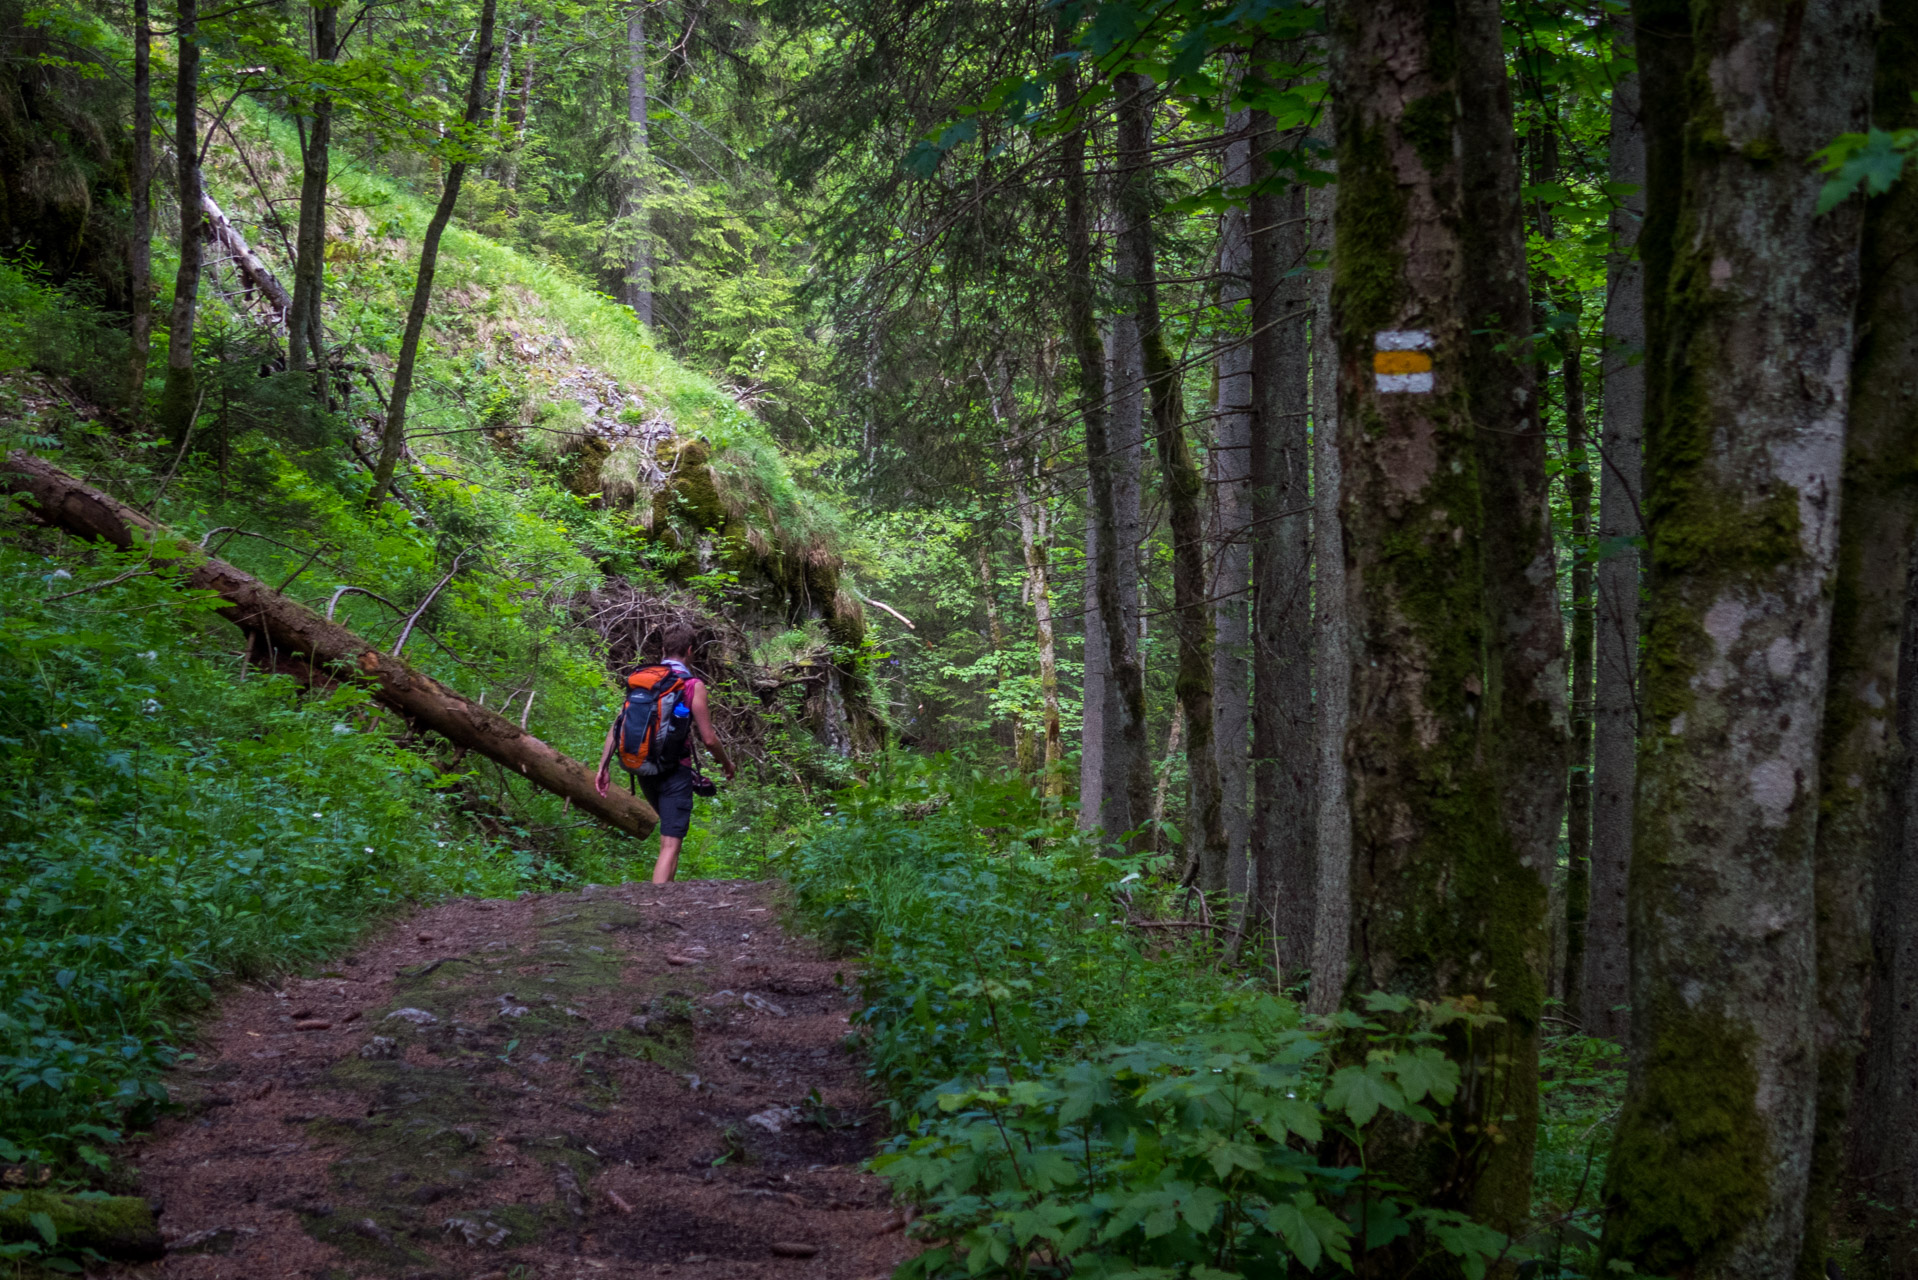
638	1022
794	1249
297	1014
762	1004
380	1047
313	1024
618	1201
773	1119
425	937
418	1017
673	957
372	1230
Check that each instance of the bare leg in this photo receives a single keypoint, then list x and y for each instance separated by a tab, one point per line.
668	863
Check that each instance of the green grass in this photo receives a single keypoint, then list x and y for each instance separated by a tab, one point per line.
371	283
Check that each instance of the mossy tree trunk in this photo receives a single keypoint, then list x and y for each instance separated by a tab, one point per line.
1284	867
180	398
1448	883
1137	267
140	241
1229	466
1865	835
1331	654
1749	310
1525	634
1124	771
393	435
305	331
1615	719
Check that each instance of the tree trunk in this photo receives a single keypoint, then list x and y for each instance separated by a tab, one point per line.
520	113
1125	400
1749	311
1525	640
1573	896
1284	852
393	438
180	398
1615	731
1448	890
1024	466
1230	465
140	242
1860	779
996	644
1171	759
1093	690
639	271
1184	488
1124	763
285	635
1578	799
1332	639
305	331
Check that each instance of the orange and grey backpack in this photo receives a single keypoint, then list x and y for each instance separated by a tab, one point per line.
657	721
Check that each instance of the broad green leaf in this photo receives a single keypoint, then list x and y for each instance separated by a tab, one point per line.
1310	1230
1360	1091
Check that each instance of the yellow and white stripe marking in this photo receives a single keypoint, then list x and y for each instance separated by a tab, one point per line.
1402	361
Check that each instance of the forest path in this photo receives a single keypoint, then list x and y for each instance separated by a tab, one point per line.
632	1080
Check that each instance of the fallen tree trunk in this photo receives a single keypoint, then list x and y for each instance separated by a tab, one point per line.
253	272
287	636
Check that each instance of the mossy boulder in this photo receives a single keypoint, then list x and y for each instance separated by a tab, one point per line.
118	1227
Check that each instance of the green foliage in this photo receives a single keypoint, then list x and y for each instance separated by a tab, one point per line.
1871	161
1074	1102
164	825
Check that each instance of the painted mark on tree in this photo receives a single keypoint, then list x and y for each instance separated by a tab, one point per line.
1402	361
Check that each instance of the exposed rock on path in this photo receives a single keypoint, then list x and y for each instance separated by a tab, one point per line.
627	1081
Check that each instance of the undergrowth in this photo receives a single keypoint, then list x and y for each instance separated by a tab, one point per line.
165	825
1071	1100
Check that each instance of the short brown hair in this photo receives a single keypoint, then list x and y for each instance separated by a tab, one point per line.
678	638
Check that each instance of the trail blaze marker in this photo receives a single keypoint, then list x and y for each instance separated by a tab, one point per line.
1402	361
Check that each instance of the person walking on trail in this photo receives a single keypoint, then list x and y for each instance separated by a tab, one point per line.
665	705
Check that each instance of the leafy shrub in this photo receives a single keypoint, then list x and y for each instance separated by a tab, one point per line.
1197	1157
1074	1102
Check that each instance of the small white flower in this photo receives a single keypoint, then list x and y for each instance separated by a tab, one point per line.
369	848
151	655
442	844
342	728
316	815
150	706
58	575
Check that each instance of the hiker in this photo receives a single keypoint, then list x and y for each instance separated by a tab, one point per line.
664	704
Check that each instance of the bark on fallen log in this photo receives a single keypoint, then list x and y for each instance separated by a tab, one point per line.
252	271
289	637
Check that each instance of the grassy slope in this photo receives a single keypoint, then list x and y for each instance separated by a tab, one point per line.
168	821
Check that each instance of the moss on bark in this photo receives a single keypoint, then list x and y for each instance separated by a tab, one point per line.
1687	1176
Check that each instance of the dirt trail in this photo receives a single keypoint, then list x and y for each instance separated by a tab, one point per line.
626	1081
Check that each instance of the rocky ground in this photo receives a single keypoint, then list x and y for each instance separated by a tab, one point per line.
627	1081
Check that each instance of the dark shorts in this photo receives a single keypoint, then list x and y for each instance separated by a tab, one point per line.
671	794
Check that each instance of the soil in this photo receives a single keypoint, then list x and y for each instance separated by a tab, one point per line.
632	1080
